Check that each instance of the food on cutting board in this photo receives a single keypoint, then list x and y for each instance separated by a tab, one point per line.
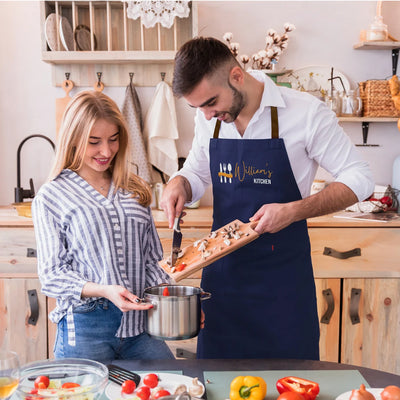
214	244
248	387
391	393
307	389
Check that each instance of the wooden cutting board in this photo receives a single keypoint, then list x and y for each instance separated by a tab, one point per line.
205	251
61	103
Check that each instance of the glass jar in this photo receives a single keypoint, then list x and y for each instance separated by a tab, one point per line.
377	30
351	104
333	101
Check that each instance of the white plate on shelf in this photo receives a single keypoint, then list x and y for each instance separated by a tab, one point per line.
375	391
66	34
316	78
50	32
167	381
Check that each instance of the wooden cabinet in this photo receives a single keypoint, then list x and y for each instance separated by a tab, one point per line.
17	331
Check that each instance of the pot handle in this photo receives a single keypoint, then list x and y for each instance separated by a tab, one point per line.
205	296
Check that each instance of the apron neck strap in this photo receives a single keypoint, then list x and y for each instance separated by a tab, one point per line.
274	125
216	129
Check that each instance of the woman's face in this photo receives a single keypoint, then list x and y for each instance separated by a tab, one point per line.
102	147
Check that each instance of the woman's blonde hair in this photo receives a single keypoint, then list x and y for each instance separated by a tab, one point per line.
83	111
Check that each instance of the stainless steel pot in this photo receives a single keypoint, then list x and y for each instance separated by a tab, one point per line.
176	316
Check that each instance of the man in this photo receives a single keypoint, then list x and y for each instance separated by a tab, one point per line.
270	143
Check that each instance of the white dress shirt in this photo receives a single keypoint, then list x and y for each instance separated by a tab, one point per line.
311	134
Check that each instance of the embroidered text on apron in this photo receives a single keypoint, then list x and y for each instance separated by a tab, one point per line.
263	302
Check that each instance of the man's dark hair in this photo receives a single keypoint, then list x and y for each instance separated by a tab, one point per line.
197	58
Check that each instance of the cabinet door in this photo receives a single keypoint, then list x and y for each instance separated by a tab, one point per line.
373	341
328	296
29	341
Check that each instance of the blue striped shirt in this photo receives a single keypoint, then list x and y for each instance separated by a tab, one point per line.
83	236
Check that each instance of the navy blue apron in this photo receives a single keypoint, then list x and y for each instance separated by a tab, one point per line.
263	302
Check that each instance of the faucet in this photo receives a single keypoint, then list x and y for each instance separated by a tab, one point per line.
19	193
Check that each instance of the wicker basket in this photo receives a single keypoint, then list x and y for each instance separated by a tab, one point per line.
377	100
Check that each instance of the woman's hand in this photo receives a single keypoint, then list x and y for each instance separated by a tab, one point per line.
118	295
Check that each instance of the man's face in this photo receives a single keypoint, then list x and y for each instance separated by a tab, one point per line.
224	102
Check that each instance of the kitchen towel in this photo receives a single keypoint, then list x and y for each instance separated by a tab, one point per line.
132	111
161	130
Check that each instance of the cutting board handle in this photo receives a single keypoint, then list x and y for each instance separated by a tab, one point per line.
67	85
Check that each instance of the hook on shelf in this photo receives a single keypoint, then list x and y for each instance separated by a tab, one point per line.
162	75
131	74
67	74
99	86
395	59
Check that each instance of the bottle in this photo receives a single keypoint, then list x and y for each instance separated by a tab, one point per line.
377	30
396	180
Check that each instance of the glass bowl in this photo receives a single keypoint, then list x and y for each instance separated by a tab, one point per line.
91	376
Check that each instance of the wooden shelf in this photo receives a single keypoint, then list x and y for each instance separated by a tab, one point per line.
368	119
385	45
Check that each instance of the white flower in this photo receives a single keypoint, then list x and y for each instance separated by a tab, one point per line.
244	58
228	36
289	27
271	32
255	57
270	53
284	45
278	51
263	53
269	40
235	46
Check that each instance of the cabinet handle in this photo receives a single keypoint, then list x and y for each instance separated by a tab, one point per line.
34	305
354	302
342	254
330	301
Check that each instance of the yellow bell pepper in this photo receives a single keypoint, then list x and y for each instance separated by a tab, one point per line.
248	387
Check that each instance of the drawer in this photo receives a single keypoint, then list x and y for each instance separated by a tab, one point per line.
380	252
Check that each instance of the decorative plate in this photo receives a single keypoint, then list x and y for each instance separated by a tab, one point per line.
375	391
50	32
82	38
315	79
66	34
167	381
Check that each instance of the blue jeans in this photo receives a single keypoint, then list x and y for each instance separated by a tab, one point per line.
95	326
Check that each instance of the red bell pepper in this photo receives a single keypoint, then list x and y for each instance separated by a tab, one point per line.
307	389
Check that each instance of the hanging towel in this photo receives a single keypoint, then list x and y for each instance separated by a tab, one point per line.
161	130
132	112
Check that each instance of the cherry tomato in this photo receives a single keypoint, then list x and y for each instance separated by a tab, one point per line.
290	396
42	382
165	292
128	387
143	393
180	267
150	380
161	393
69	385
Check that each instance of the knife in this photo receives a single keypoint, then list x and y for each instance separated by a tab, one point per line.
176	241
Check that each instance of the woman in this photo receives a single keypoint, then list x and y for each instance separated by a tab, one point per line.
98	247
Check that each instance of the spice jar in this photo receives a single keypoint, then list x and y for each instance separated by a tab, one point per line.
377	30
351	104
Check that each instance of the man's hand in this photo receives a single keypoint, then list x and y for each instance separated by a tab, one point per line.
175	195
274	217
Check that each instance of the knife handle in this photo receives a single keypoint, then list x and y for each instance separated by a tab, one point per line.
177	222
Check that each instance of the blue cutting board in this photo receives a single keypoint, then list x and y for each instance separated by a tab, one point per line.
332	383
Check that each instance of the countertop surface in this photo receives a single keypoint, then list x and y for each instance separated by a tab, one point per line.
202	218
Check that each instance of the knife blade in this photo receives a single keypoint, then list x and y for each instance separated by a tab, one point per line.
176	241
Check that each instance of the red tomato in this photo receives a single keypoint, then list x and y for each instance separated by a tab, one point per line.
42	382
165	292
143	393
161	393
290	396
128	387
150	380
70	385
180	267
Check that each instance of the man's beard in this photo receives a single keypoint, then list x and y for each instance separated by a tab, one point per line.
238	104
